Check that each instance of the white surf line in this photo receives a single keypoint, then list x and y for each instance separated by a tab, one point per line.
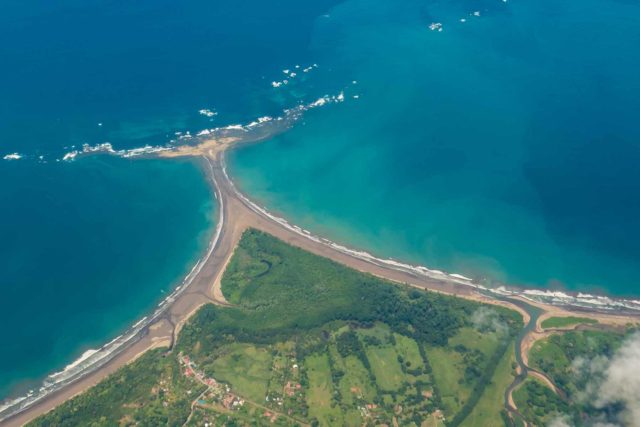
362	255
91	360
554	298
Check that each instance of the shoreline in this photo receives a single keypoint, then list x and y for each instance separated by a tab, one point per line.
94	360
572	300
201	285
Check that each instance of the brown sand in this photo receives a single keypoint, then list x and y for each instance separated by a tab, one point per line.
208	146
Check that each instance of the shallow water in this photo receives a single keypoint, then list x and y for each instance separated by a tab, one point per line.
503	147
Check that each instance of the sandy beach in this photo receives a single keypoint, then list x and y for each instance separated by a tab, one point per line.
236	213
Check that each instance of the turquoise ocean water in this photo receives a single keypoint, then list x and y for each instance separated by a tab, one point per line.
504	146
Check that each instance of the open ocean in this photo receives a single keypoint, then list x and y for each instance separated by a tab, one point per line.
505	146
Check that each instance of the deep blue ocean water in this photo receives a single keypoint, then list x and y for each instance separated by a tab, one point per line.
505	146
88	248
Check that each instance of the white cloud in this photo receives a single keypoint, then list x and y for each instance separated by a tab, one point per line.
561	421
621	384
486	319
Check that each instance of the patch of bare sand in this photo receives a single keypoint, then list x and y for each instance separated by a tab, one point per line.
206	147
545	381
216	289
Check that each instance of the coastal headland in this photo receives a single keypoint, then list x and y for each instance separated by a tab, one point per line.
237	213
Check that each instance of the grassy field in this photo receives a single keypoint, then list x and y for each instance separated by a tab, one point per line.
321	392
468	348
563	322
385	367
309	341
246	367
448	372
489	409
408	350
356	385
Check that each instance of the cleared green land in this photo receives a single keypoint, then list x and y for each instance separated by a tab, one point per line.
490	407
320	394
248	367
309	341
563	322
385	367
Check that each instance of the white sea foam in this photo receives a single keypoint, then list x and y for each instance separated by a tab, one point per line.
207	112
234	127
291	75
581	300
318	103
86	355
260	121
13	156
460	276
70	155
106	147
147	149
289	117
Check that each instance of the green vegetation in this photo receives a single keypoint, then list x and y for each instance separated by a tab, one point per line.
538	403
139	393
463	369
309	341
557	354
563	322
